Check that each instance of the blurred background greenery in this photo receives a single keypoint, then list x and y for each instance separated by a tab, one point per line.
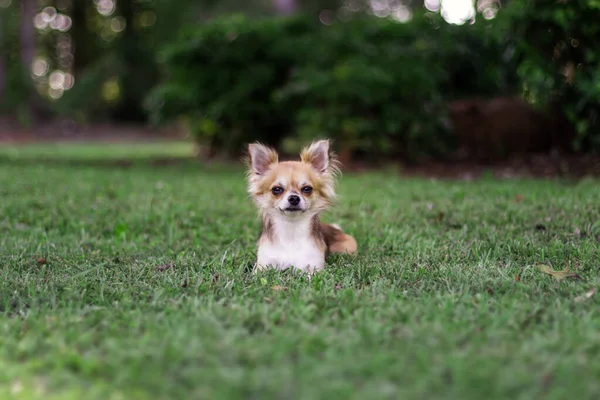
375	75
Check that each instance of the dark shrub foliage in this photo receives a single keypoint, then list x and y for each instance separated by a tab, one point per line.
559	55
376	85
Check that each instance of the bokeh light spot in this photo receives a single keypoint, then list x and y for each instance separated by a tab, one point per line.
117	24
48	14
432	5
69	81
40	66
55	93
105	7
111	91
147	19
326	17
354	5
458	12
402	14
57	80
39	21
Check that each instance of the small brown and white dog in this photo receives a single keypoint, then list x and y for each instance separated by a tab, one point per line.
290	196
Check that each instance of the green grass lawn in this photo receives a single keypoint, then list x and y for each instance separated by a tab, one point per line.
445	300
83	151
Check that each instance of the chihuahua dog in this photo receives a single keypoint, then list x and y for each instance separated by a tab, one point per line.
290	196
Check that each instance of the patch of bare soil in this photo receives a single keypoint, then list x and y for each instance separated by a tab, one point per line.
554	165
534	166
67	130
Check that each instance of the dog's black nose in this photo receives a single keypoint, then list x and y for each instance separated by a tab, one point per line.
294	200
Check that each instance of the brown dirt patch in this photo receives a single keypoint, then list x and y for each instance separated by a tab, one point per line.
531	166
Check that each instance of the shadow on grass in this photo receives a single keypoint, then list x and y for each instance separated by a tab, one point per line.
103	163
566	167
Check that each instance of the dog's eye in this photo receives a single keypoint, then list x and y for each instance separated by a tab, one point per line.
277	190
307	190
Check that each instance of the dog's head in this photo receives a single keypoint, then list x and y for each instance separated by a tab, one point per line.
292	188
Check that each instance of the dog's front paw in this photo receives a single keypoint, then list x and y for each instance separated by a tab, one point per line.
259	268
311	270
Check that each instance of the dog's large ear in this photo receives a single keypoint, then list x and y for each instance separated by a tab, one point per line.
317	155
260	158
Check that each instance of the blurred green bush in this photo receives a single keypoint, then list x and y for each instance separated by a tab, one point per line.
223	78
558	47
377	85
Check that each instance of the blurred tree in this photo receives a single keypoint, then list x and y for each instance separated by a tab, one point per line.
86	47
3	71
139	70
28	8
116	43
286	6
10	56
28	49
111	48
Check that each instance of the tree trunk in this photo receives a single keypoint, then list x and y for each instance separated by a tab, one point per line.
139	69
2	61
28	46
85	49
283	7
27	33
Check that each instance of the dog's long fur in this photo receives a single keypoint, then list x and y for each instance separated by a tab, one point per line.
292	234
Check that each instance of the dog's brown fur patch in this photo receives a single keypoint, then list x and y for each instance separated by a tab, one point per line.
267	229
335	240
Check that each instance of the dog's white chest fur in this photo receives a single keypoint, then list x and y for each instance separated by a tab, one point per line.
290	244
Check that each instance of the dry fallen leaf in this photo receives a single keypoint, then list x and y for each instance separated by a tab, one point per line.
558	275
519	198
586	296
278	288
579	234
164	267
41	261
547	380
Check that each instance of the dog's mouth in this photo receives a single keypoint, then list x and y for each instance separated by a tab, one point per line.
293	209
